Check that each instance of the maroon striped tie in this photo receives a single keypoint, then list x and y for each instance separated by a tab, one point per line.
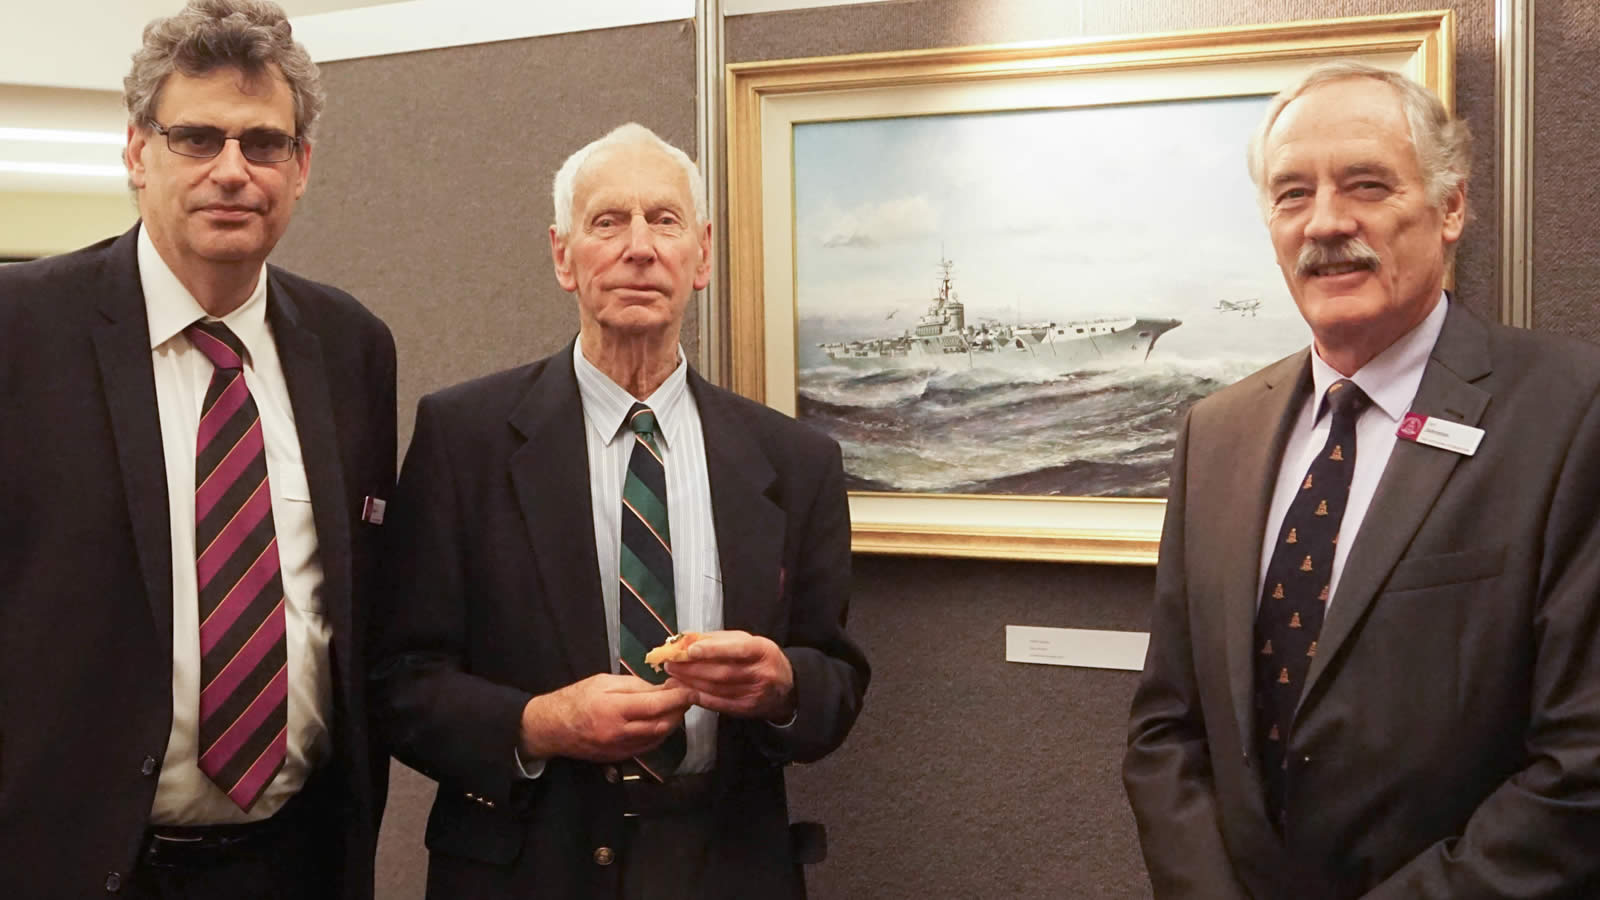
244	706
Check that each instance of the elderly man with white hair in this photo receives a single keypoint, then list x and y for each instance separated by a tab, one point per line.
554	524
1373	668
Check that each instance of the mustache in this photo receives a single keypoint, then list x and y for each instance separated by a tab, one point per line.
1345	250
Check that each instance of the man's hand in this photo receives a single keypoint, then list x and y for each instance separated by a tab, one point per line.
739	674
603	718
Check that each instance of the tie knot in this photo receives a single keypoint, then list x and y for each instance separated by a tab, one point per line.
642	420
1346	399
218	342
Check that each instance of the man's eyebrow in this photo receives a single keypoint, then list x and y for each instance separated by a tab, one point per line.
1283	178
1368	168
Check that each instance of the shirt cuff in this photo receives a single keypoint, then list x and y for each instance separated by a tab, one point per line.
532	770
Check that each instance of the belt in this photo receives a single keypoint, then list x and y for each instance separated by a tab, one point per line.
200	846
679	793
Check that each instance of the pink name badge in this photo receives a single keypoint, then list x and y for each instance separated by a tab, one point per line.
1441	433
372	511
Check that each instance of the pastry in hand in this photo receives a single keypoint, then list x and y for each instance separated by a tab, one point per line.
676	649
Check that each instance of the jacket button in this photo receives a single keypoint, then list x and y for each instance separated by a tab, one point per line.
148	767
113	882
603	856
612	775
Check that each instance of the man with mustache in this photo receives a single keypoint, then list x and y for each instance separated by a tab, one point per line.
555	522
194	446
1372	669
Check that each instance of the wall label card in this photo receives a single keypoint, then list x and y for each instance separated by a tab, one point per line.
1076	647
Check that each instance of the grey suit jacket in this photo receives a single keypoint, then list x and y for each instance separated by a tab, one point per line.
1447	744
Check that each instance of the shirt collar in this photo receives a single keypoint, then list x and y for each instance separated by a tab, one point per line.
170	308
606	404
1391	378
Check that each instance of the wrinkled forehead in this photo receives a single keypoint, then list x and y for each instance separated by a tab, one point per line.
227	93
1340	114
632	174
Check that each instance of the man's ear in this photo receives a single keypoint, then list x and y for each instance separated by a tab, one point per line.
702	274
1454	210
133	155
305	169
561	255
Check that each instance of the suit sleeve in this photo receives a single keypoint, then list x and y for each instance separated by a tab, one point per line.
438	718
830	671
1538	833
1167	768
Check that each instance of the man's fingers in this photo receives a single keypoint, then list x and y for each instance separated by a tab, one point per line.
708	675
726	646
658	702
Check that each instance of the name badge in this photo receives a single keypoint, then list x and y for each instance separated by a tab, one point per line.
372	511
1441	433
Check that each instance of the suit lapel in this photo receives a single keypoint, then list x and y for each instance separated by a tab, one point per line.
550	475
1253	465
1411	482
749	525
122	350
303	368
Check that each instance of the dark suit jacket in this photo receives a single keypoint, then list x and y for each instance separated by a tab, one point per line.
86	559
1447	744
497	598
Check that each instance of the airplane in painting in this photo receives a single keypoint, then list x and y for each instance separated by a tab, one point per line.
1239	306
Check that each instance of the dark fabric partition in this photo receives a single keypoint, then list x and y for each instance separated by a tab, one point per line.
1566	167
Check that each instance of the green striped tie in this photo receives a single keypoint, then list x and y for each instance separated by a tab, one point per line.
645	568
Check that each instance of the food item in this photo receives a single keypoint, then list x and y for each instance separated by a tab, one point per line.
676	649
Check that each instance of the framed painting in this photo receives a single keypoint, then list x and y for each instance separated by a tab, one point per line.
999	276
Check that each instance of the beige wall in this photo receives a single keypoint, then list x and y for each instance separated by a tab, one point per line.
44	224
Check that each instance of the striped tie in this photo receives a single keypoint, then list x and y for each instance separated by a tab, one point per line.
244	707
646	606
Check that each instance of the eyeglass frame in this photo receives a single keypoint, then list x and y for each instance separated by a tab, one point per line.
296	143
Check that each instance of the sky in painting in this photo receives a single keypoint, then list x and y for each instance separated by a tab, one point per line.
1047	215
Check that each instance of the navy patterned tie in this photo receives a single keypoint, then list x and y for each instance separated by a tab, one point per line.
243	652
646	605
1295	593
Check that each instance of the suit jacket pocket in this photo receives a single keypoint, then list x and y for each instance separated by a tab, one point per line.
1439	570
460	825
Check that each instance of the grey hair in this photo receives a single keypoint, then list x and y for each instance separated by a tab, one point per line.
249	35
1442	142
623	135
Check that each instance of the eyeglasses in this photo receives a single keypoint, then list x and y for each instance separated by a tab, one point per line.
259	145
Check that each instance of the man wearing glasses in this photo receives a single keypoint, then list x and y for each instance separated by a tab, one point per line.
194	450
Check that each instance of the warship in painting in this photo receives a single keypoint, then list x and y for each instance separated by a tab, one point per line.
942	339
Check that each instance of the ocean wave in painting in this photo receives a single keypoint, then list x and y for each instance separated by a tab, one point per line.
1087	433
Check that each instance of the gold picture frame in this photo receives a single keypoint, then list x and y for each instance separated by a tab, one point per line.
767	100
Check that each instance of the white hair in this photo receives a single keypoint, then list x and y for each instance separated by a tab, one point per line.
623	135
1443	143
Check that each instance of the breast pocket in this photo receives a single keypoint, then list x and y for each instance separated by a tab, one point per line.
295	525
1446	569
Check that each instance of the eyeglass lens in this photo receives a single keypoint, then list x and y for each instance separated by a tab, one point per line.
257	145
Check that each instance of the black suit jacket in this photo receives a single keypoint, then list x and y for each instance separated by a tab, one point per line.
497	598
1447	744
86	566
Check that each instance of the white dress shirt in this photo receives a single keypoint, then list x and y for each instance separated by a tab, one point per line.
1391	381
696	569
184	795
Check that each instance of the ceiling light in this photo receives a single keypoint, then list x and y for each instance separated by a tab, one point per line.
62	136
75	169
